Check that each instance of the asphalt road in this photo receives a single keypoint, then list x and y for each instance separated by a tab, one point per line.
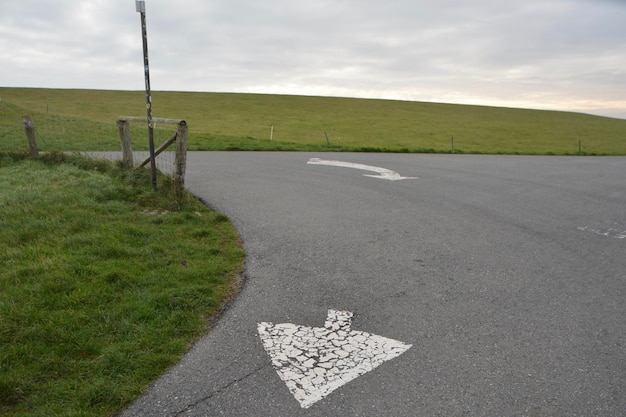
506	274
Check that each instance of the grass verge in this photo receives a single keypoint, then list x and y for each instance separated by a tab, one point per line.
105	284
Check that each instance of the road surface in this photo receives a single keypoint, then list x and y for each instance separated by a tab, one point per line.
505	276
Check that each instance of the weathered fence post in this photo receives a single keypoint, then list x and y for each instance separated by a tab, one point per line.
180	137
180	163
127	149
29	128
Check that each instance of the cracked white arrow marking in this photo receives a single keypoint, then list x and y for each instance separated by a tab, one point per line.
383	173
315	361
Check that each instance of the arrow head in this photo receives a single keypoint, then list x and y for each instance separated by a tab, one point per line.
314	361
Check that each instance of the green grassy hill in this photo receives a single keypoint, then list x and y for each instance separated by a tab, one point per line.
84	120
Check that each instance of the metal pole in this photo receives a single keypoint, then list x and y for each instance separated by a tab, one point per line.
141	8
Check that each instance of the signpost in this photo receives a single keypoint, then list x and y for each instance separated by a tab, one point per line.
141	8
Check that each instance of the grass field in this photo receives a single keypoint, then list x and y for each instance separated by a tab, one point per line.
84	120
105	284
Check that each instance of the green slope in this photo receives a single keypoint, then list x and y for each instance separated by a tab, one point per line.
85	120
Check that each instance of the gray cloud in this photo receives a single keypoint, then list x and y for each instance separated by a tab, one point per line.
561	54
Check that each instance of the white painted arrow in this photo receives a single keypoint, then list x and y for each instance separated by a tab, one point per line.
384	173
315	361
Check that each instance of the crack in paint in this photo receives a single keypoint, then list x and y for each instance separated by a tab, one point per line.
314	361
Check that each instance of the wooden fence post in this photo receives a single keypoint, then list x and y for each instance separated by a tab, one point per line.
180	163
29	128
127	149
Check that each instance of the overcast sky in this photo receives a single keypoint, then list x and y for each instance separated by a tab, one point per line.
545	54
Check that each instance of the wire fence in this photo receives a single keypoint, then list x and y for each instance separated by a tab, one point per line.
179	138
165	161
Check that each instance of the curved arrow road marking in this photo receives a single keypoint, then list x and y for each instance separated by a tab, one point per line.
315	361
607	232
384	173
